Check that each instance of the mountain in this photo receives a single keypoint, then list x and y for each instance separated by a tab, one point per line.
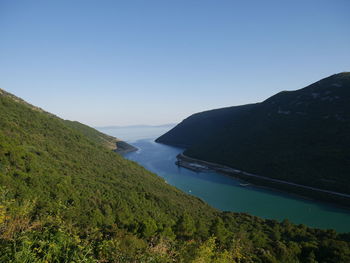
136	126
65	196
298	136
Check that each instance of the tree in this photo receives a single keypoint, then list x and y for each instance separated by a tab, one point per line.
148	227
185	226
218	229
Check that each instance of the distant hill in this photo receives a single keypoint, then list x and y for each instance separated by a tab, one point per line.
300	136
65	196
136	126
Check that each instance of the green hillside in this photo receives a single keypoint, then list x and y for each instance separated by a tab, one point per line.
100	138
299	136
66	197
94	135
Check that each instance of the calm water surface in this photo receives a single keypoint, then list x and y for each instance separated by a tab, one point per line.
223	192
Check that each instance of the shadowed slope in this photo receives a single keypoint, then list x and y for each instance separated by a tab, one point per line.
301	136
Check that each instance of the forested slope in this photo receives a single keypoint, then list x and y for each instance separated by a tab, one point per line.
66	197
299	136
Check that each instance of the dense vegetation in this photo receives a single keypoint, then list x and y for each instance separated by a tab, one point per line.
66	197
110	142
94	135
299	136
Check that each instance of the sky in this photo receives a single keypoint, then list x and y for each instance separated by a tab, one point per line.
153	62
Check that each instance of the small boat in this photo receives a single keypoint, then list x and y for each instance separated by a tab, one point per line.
244	185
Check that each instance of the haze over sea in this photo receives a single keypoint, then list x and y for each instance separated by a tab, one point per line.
223	192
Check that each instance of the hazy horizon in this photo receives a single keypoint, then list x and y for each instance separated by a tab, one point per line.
157	62
134	125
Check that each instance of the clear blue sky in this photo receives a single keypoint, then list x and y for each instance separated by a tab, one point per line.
153	62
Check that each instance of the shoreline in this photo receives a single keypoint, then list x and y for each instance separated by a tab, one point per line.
313	193
123	147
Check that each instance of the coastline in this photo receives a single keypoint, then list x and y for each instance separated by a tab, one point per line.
123	147
317	194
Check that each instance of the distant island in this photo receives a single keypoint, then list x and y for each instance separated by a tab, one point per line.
300	137
136	126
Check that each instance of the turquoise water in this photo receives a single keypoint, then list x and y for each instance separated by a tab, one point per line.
223	192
